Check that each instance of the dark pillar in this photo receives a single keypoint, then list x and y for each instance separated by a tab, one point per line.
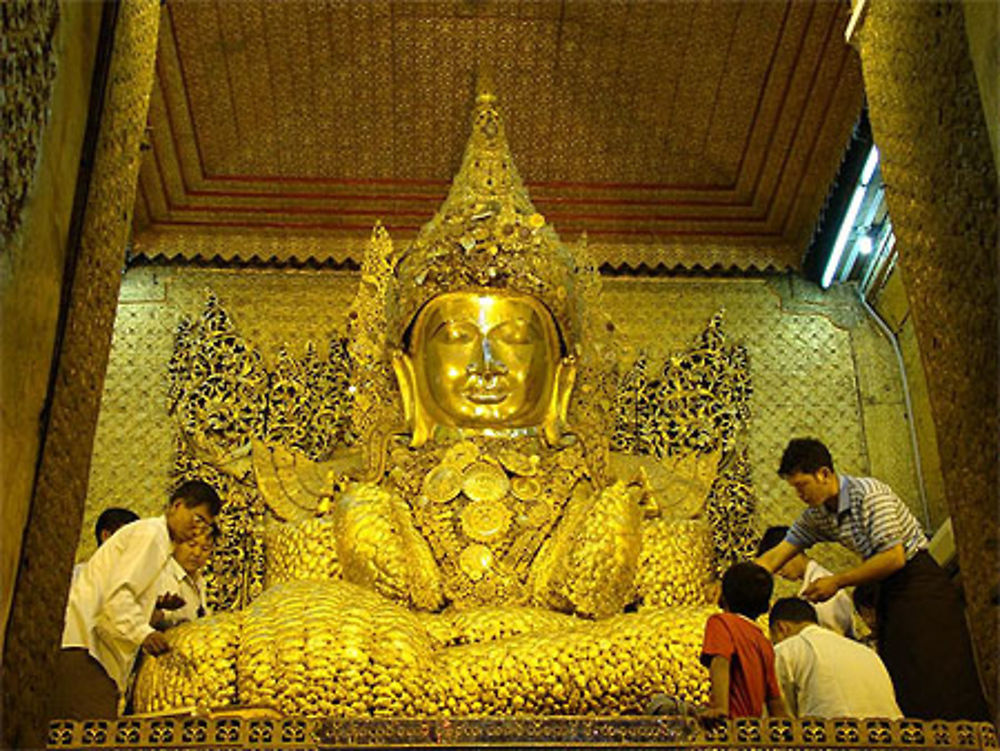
84	339
941	188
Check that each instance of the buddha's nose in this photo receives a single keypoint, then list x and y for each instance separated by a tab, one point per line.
486	363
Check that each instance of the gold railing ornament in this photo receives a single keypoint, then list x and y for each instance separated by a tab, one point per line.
255	730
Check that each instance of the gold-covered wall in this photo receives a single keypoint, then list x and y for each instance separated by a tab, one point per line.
818	366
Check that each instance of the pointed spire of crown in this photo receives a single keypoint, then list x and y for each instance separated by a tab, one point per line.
486	235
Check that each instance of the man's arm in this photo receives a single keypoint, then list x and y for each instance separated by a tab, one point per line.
779	555
776	707
719	696
875	568
786	682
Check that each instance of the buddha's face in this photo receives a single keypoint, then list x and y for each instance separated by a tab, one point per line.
479	360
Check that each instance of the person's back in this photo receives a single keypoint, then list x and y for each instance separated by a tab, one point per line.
824	674
739	657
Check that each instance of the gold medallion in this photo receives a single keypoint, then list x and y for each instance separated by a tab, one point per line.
568	459
539	514
485	482
526	488
442	483
475	561
485	521
518	463
461	455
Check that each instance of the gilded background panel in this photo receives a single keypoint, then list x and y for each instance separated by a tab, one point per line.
818	367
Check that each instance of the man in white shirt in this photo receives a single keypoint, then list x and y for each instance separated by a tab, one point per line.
823	674
111	603
837	613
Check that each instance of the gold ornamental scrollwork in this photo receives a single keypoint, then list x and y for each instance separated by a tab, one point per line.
218	388
696	403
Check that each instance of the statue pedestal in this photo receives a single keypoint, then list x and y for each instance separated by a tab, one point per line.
241	731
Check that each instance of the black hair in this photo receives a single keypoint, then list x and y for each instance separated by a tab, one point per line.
112	519
806	455
771	537
865	596
746	588
792	610
195	493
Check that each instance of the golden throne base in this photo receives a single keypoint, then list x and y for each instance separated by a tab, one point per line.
233	732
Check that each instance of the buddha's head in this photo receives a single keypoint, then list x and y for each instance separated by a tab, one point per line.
482	314
489	361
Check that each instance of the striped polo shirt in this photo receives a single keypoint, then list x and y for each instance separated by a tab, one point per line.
870	519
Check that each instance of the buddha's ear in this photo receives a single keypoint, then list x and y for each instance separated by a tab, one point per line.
413	412
555	415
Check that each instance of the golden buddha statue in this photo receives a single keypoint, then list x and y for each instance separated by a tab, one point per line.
478	554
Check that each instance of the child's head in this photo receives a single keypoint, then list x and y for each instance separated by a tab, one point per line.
111	520
193	554
192	510
746	589
789	615
795	568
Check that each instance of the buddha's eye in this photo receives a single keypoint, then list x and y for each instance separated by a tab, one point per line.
515	332
456	332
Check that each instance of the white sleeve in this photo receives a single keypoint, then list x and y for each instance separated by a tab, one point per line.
139	564
786	679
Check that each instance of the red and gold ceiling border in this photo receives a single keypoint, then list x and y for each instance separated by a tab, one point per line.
289	145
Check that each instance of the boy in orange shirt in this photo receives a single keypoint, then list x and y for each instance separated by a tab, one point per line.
739	657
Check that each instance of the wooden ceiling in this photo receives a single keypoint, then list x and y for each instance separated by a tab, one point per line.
672	133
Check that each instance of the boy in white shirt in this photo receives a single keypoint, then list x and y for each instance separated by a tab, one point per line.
837	613
183	585
112	600
823	674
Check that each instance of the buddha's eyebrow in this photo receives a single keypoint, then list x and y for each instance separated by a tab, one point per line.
450	322
529	322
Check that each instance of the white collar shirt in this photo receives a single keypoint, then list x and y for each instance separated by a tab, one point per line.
191	588
823	674
113	597
837	613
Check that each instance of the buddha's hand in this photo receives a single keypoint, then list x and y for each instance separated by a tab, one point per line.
589	565
378	547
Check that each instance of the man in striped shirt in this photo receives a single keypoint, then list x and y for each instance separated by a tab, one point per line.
922	637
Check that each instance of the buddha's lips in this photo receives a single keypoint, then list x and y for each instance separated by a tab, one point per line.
486	397
485	390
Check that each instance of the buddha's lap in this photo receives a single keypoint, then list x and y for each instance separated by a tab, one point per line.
331	648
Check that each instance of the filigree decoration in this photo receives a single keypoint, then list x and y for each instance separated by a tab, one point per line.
698	402
309	401
218	387
591	416
218	394
525	731
376	406
731	506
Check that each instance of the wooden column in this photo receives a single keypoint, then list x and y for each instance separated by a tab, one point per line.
89	302
941	188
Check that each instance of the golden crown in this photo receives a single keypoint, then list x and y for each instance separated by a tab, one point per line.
486	235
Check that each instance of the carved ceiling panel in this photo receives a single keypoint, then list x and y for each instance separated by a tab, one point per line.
664	130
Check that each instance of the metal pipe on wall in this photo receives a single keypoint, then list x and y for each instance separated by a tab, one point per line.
894	341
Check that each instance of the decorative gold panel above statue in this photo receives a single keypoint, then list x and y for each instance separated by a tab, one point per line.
452	512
